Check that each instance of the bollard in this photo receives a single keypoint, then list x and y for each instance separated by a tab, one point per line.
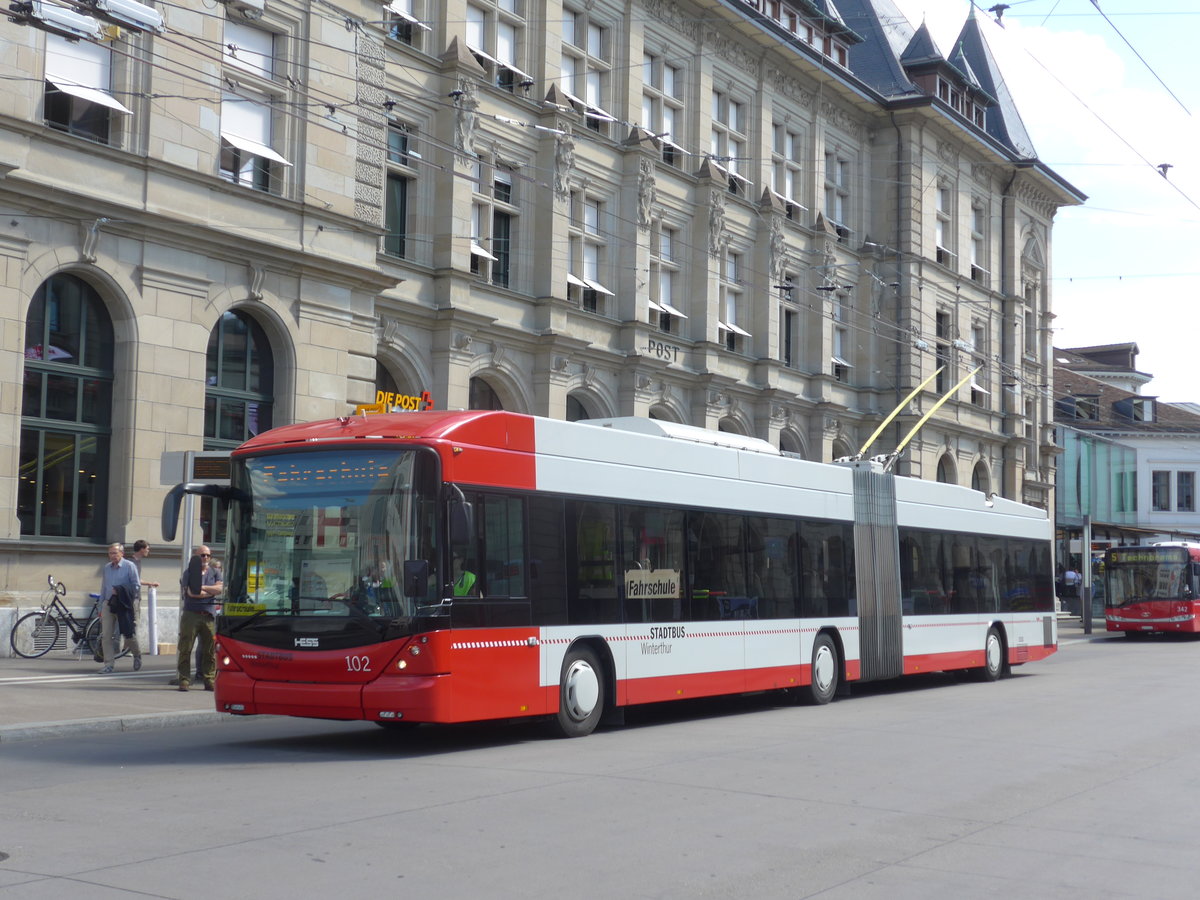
152	619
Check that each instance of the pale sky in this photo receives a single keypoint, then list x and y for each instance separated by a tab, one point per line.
1125	265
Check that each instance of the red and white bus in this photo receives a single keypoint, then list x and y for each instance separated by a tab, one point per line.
460	566
1152	589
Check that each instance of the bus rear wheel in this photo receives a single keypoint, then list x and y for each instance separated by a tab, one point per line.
580	693
826	670
993	656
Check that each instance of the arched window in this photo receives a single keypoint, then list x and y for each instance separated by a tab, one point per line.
481	395
979	478
238	398
576	411
945	471
240	382
385	383
66	412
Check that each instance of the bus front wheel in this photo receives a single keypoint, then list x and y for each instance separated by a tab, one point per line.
825	670
580	693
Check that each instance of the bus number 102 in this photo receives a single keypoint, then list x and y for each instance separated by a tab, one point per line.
358	664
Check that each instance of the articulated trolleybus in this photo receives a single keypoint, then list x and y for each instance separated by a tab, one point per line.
1152	589
462	566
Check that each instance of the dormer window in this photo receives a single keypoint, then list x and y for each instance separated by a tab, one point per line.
1135	409
1087	408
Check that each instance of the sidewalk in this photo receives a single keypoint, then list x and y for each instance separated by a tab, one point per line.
61	695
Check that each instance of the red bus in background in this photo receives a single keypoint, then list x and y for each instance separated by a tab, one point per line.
1152	589
460	566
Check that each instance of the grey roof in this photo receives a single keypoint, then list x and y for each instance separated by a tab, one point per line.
921	49
1001	121
890	44
885	34
830	11
959	60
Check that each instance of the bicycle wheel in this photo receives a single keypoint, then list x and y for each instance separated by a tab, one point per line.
92	637
34	635
91	640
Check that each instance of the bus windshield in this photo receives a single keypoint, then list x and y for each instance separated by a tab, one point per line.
1135	582
333	533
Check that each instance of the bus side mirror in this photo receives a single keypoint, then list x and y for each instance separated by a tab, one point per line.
416	578
171	502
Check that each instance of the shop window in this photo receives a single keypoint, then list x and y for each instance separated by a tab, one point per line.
66	413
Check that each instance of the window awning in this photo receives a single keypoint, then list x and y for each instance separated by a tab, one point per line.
404	14
788	200
838	361
82	69
598	287
576	280
654	306
90	94
668	308
485	55
477	250
667	142
253	147
595	112
730	326
976	386
524	76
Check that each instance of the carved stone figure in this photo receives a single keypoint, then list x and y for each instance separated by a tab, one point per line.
564	162
779	254
465	120
647	193
716	223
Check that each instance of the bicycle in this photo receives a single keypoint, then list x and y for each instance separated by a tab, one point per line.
37	633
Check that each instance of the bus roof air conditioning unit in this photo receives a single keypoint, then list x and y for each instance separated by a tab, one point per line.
247	9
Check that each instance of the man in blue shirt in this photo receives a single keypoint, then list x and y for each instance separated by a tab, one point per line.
119	574
200	589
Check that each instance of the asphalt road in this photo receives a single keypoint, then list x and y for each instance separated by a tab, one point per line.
1075	778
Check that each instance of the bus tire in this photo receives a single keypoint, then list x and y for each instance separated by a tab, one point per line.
825	671
993	656
580	693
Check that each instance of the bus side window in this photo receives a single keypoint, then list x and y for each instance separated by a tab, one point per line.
771	550
462	578
717	566
488	576
546	571
652	542
828	568
503	547
591	585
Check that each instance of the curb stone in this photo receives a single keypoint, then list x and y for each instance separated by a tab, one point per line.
33	731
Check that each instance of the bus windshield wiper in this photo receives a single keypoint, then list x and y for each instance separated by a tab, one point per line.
234	629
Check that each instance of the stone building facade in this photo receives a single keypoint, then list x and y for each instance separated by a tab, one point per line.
766	218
